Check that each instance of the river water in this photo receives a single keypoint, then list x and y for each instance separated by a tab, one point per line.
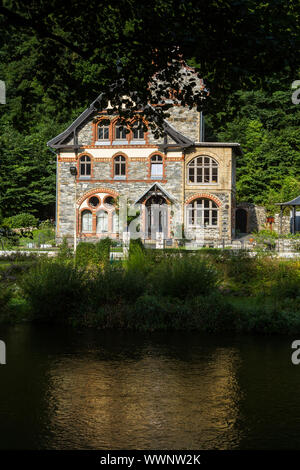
67	389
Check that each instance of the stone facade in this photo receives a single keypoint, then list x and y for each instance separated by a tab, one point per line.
139	185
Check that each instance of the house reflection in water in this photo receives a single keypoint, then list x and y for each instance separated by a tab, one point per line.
157	401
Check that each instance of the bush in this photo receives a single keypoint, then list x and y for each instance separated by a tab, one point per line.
85	254
55	291
64	251
103	250
184	277
115	285
93	254
5	297
23	220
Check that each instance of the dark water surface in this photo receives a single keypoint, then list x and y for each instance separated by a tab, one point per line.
66	389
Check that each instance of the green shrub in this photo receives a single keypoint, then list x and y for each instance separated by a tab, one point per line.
114	285
184	277
93	254
287	281
151	313
5	297
64	251
23	220
103	250
55	291
86	254
211	313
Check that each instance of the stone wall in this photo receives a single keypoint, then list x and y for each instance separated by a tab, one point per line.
186	121
286	224
256	216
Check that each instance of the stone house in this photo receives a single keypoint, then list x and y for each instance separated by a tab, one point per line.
171	183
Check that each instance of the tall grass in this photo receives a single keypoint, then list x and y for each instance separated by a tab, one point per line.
55	291
184	277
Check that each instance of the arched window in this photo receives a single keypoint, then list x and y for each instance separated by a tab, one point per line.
115	222
138	132
156	167
102	131
202	213
120	167
85	166
120	132
86	221
102	221
202	170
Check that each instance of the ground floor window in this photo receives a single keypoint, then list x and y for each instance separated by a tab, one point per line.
115	222
202	213
86	221
102	221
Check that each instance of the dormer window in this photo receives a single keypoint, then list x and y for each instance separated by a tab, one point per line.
103	132
120	132
85	166
138	133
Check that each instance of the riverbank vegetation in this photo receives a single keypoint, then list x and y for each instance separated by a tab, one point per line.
210	290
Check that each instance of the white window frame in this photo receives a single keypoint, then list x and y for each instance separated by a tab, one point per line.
86	225
203	166
156	162
203	214
102	215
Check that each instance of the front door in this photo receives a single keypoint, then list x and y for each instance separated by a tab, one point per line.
156	217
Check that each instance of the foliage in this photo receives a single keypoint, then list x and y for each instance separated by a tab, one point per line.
5	297
23	220
103	250
184	277
93	254
64	251
54	290
76	54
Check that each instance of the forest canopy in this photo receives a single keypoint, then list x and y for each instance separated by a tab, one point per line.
56	58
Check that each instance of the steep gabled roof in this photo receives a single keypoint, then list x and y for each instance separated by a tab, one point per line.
60	140
153	188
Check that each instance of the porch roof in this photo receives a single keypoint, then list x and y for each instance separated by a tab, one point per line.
293	202
168	195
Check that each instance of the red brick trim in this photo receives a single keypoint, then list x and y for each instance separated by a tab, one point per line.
92	207
87	154
95	125
91	192
113	181
146	134
114	123
163	163
79	220
205	196
112	172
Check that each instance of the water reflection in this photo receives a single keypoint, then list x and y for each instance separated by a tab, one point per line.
154	402
66	389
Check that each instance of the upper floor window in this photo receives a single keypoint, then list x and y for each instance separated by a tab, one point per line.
103	131
202	213
202	170
120	132
156	167
120	166
85	166
138	133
